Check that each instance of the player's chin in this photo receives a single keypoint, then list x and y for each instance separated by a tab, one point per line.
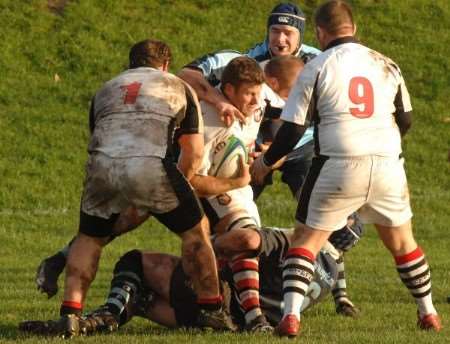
282	51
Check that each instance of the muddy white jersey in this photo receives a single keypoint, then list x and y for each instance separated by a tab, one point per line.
351	93
135	113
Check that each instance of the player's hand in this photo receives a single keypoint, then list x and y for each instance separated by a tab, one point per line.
259	170
244	176
228	113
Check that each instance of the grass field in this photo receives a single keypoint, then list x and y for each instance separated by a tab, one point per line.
51	63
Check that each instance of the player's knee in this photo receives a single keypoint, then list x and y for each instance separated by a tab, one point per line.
130	262
249	239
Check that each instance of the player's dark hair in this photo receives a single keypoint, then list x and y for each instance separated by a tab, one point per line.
283	68
334	16
242	70
149	53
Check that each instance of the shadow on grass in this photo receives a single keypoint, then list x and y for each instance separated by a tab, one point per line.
10	332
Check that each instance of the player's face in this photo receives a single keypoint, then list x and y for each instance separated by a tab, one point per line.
283	39
246	98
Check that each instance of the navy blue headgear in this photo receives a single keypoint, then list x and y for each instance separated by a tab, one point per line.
287	14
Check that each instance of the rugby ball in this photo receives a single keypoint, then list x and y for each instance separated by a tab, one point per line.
226	158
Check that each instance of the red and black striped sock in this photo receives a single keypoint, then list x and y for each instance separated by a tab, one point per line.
298	272
415	275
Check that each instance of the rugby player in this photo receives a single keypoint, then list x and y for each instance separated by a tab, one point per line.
285	31
228	201
132	120
155	286
360	107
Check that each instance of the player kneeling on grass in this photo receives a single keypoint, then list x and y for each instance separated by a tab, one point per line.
155	286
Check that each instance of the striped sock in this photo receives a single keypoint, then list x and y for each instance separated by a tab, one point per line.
246	281
415	275
340	289
298	272
124	286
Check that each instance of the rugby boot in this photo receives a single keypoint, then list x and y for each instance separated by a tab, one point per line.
430	322
216	319
347	309
48	272
289	326
67	326
100	320
259	325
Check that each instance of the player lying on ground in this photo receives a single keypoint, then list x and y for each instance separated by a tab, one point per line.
154	285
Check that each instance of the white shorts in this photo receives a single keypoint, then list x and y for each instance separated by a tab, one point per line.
335	188
236	207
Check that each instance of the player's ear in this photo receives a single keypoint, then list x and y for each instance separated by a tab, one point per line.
228	90
354	29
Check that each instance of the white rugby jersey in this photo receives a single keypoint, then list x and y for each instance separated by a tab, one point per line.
135	113
215	131
351	93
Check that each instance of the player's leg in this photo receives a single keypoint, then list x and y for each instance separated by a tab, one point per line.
343	240
241	216
333	189
141	281
187	220
51	267
388	207
413	270
298	272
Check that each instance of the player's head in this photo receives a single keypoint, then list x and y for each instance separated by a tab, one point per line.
281	73
150	53
241	83
285	29
333	19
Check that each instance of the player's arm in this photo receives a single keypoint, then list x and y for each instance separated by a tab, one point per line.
205	73
403	109
206	186
296	116
190	136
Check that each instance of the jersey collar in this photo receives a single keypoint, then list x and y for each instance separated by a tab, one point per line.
341	40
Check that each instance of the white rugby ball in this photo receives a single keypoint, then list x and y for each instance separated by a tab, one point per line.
226	158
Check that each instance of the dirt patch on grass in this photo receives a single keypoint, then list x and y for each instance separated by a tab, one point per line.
57	6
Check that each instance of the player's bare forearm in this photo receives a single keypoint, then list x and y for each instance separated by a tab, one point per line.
191	154
201	86
207	186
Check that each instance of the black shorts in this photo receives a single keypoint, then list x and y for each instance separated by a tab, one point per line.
185	216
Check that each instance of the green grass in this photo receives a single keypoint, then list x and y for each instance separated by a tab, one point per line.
43	126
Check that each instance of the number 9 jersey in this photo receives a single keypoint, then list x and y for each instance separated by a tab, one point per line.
353	95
